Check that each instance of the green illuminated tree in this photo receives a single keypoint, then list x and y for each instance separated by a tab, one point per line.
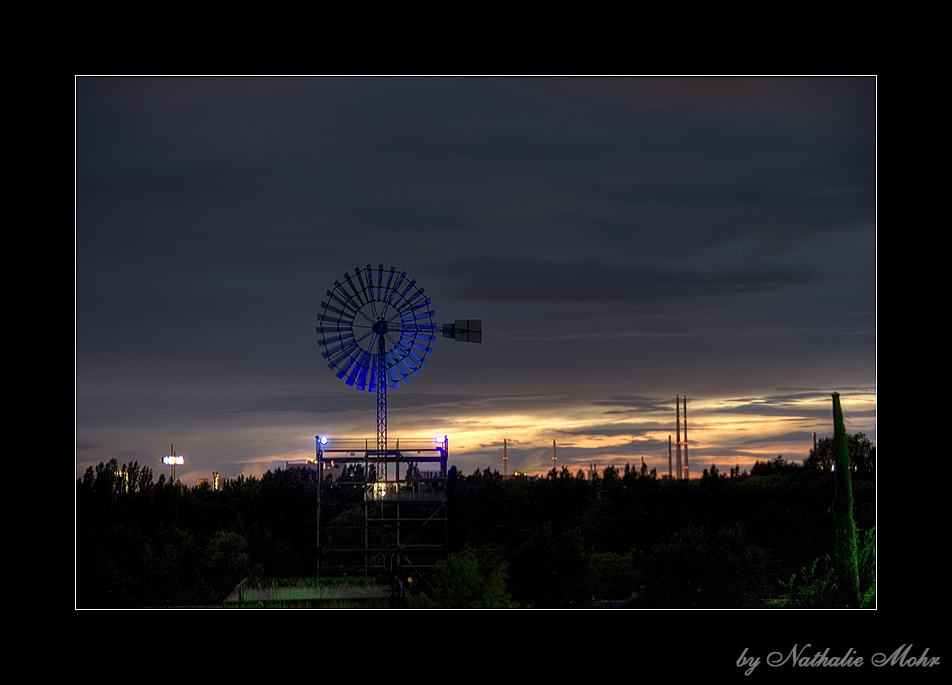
815	585
470	579
847	555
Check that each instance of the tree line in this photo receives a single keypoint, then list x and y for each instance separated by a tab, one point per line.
623	538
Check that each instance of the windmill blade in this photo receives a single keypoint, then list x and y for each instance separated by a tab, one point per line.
356	293
391	278
338	305
397	281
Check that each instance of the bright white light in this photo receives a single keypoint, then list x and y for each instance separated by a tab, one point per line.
439	439
322	439
173	460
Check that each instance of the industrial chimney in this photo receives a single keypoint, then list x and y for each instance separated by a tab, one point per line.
677	419
685	471
687	466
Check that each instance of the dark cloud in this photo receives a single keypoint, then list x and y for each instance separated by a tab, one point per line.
598	282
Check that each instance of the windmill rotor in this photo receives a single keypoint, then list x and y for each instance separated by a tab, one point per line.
376	313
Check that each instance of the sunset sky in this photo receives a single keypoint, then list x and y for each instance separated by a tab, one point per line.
624	240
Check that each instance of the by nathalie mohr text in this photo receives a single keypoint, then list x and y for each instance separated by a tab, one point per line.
808	656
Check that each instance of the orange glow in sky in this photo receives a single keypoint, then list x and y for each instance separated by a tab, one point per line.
726	432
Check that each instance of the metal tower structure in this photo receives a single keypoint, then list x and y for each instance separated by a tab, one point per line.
376	329
369	524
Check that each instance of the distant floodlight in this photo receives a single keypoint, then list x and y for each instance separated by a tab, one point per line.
439	439
173	460
322	439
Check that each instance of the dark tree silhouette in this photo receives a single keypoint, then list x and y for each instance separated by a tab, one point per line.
862	455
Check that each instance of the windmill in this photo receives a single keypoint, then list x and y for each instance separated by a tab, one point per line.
376	327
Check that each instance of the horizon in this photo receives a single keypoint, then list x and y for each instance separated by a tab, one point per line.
533	456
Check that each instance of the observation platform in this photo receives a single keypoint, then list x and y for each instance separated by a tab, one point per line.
351	449
398	464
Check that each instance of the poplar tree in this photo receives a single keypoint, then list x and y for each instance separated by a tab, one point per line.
847	555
